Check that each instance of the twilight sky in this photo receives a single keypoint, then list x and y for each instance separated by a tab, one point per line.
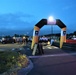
20	16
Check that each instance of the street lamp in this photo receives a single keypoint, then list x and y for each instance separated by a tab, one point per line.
51	21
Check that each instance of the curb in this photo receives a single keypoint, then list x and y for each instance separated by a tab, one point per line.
26	70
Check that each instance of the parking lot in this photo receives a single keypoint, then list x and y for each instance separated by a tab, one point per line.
11	46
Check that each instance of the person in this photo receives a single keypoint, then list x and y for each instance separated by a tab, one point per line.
24	40
40	48
51	41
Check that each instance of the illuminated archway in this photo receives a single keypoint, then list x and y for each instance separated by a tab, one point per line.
43	22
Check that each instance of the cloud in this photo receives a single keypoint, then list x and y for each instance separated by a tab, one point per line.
68	7
15	21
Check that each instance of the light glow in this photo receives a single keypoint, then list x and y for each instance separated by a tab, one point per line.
51	19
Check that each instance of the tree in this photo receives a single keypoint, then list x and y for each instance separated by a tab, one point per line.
8	36
74	32
16	35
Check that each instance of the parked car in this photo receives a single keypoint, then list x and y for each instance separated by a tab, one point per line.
8	40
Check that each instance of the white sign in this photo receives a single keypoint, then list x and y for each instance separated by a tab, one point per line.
63	33
35	33
51	22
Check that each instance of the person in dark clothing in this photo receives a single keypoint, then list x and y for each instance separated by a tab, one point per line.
40	48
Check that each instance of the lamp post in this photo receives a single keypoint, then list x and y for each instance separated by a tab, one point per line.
52	31
51	21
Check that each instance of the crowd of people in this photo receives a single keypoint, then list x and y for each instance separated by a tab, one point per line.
46	40
43	39
21	40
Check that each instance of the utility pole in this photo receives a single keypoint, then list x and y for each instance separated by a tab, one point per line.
52	31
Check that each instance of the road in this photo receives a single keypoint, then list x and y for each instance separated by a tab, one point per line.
54	62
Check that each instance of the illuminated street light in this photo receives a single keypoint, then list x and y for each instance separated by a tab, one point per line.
14	37
51	19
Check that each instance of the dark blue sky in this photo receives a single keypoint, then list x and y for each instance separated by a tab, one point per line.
20	16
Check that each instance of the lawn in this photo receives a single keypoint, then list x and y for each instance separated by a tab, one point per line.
11	59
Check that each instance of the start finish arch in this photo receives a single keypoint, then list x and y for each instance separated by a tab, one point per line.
43	22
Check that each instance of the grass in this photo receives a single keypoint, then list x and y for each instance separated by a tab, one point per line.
10	59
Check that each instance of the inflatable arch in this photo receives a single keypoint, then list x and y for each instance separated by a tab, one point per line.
43	22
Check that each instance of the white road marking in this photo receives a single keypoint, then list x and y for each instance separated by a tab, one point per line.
50	47
53	55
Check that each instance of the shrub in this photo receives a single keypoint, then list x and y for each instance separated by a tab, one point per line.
9	59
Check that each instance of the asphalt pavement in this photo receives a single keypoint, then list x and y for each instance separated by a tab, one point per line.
54	61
